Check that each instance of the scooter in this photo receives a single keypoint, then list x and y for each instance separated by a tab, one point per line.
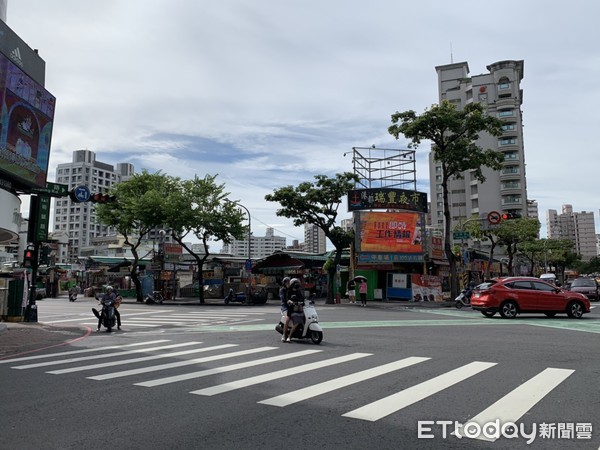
154	297
464	298
310	329
107	315
237	297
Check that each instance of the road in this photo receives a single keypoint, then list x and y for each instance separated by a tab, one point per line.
385	376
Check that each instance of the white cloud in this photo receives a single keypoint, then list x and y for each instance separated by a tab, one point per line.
282	89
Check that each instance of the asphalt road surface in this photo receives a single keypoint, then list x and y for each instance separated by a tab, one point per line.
385	377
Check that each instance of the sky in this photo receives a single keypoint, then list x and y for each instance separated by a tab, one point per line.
267	94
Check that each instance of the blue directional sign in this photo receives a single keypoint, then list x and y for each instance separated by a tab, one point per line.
81	193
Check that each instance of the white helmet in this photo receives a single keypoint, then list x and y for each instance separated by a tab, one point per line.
285	280
109	288
294	281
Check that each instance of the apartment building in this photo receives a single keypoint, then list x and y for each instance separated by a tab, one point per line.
314	239
578	227
499	91
260	246
79	219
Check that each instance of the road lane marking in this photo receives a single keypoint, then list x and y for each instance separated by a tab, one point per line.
77	352
395	402
190	362
204	373
140	359
328	386
106	355
516	403
238	384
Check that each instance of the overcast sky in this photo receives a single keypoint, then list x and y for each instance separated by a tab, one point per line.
270	93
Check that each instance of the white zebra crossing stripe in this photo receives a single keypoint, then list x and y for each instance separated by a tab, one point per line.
516	403
141	359
238	384
322	388
207	372
77	352
125	373
106	355
393	403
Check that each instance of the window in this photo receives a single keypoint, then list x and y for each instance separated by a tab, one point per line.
506	113
508	127
510	156
520	285
438	178
507	141
542	287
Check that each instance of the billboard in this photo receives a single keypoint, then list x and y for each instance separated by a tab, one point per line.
386	198
389	232
26	116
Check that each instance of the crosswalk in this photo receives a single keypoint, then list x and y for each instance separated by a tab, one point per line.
149	364
135	320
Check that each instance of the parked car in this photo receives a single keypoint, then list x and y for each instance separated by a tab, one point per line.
517	295
587	286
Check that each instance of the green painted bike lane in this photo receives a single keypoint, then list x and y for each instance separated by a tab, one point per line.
451	319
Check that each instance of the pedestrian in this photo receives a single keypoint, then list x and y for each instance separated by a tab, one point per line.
351	288
283	297
362	290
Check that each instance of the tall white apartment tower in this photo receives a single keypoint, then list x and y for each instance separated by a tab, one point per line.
79	219
314	239
578	227
499	91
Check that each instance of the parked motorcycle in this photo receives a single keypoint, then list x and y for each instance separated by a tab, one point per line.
235	297
464	298
310	329
154	297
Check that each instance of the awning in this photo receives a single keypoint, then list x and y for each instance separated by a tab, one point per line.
277	263
117	267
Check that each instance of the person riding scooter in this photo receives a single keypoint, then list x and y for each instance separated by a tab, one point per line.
110	297
294	295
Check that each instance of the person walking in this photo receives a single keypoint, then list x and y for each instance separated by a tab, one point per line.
351	288
283	297
362	290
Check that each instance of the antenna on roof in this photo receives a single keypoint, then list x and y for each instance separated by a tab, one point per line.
451	57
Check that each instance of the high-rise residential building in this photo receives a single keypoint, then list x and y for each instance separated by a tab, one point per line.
79	219
499	91
578	227
314	239
260	246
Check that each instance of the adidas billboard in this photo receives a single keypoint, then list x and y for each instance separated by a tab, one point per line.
21	55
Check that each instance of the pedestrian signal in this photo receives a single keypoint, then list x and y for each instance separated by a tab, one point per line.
28	258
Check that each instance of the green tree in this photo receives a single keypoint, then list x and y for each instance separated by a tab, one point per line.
560	254
200	207
454	134
139	207
317	203
513	232
533	251
477	231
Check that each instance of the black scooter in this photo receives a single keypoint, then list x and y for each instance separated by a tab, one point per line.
107	314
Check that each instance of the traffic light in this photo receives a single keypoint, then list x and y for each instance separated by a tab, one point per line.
510	215
102	198
28	258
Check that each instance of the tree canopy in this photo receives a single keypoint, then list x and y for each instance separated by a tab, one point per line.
317	203
454	134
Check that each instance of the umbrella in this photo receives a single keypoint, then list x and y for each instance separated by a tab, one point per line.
359	278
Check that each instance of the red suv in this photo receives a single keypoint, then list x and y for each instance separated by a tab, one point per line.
515	295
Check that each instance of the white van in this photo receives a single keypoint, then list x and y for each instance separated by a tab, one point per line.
548	277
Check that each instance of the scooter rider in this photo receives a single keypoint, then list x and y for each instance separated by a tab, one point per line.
294	296
283	296
109	296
